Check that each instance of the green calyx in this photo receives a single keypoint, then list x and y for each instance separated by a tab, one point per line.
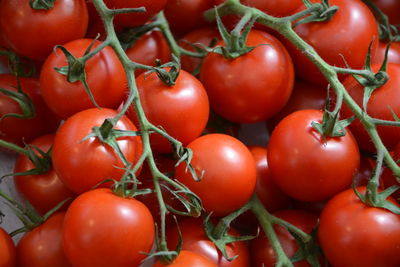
42	4
23	100
17	66
325	12
168	72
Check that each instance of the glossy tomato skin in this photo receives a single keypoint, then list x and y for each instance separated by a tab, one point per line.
18	130
262	253
343	39
43	191
109	230
181	110
194	239
228	167
353	234
304	165
7	250
382	103
393	55
391	9
42	247
34	33
259	94
104	73
188	259
83	164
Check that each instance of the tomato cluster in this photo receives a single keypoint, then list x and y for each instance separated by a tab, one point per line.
132	116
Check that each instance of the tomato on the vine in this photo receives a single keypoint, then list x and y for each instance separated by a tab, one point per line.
393	54
7	250
187	258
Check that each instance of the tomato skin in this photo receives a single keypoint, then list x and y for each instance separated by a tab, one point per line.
19	23
390	8
353	234
188	259
244	98
228	163
263	254
393	55
306	167
83	164
109	230
42	246
181	110
7	250
43	191
104	73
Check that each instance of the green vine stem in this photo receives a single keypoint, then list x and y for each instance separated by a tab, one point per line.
13	147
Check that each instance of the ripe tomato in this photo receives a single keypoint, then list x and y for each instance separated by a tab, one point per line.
195	240
228	167
18	130
382	103
188	259
43	191
304	165
391	9
104	73
42	246
181	110
393	55
83	164
34	33
353	234
259	94
343	39
108	230
262	253
7	250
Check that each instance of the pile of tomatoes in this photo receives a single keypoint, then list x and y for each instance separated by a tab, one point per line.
102	191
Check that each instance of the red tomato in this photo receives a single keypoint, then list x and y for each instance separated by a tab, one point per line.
188	259
393	55
195	240
104	73
382	103
34	33
108	230
263	254
225	161
259	94
353	234
304	165
343	39
83	164
42	246
17	130
390	8
181	110
43	191
7	250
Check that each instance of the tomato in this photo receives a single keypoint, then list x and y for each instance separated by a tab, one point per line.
104	73
393	55
42	246
304	165
7	250
43	191
135	19
186	15
382	103
17	130
390	8
229	162
343	39
188	259
108	230
260	93
181	110
83	164
34	33
262	253
195	240
148	48
353	234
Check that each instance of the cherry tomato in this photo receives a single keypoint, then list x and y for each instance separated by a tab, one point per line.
108	230
104	73
81	165
7	250
34	33
393	55
42	247
181	110
353	234
391	9
189	259
304	165
259	94
43	191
